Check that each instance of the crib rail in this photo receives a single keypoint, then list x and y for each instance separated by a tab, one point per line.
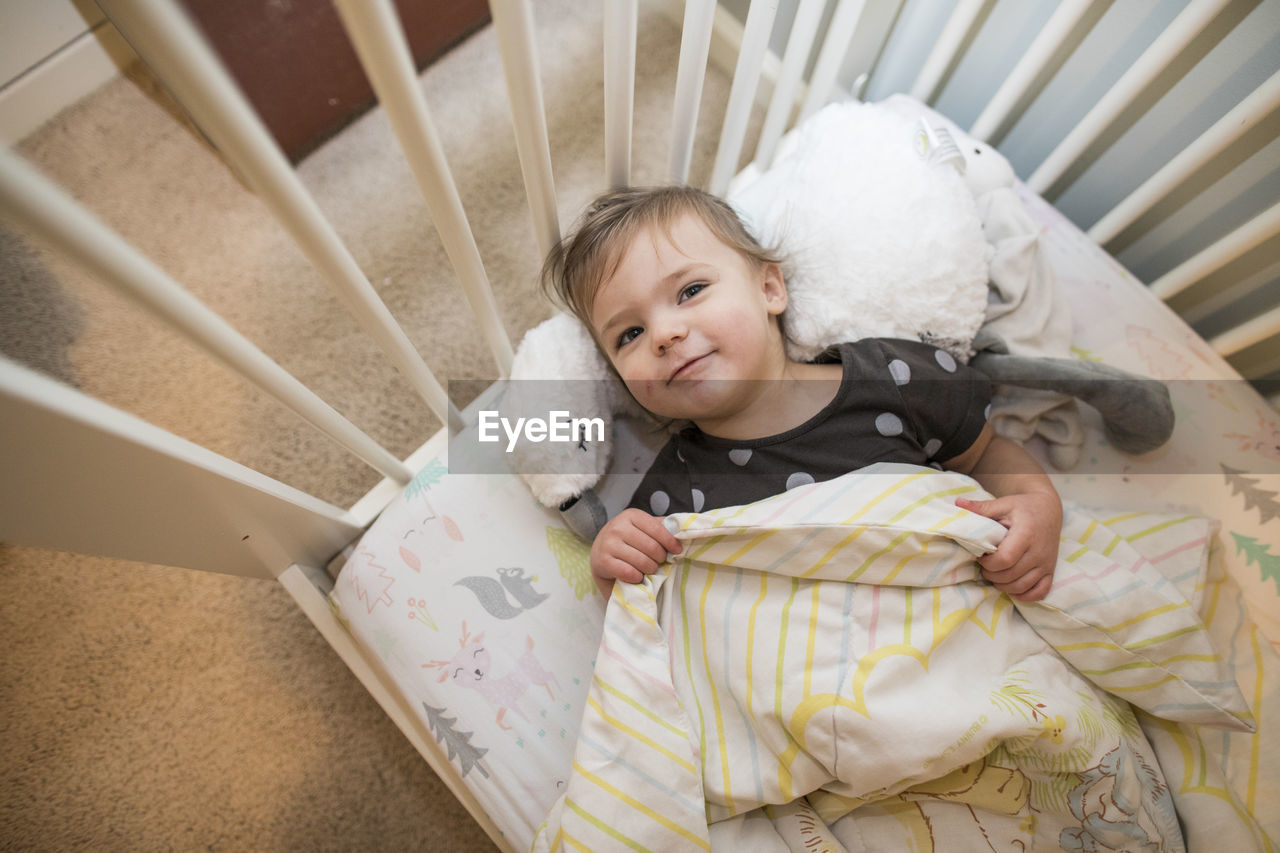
169	43
620	28
54	216
104	482
996	116
746	77
1193	20
384	52
695	46
512	19
1226	131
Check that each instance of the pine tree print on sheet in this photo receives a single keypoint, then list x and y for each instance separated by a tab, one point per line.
1254	496
456	742
431	474
1259	553
573	557
372	581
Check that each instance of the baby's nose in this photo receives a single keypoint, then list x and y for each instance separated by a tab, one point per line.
668	333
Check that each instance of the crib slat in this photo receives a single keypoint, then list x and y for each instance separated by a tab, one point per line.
513	22
991	124
803	28
116	486
746	76
1189	23
834	46
37	205
695	45
621	26
1254	233
380	43
1247	334
945	49
1258	105
163	36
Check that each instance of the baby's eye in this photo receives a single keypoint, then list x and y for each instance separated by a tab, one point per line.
692	290
629	335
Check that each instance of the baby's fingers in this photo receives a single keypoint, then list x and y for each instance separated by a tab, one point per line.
1002	563
645	555
1027	581
1032	586
658	532
613	566
997	509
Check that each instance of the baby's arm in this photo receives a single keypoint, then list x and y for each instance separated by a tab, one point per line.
1026	503
631	545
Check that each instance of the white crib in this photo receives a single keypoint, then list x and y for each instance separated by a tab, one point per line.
65	454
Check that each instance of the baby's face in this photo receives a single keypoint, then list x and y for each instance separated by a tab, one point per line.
687	320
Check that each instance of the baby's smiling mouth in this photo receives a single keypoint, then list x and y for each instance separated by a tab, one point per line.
685	367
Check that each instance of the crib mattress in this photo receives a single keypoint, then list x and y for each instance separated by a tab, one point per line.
479	604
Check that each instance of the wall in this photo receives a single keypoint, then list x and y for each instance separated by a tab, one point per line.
52	53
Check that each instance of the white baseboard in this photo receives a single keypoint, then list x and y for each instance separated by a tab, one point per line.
78	69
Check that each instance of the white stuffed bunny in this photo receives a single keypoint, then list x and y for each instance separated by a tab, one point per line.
985	168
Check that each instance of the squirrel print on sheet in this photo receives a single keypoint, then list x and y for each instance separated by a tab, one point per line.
470	668
492	594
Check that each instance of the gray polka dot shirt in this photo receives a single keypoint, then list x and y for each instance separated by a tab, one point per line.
899	401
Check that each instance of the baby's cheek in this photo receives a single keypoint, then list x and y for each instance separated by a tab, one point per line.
644	391
641	389
655	397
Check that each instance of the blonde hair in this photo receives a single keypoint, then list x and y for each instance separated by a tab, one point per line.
587	257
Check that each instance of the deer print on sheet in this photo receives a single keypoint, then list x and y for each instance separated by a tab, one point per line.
471	668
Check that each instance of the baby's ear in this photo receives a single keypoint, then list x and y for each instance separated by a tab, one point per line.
775	289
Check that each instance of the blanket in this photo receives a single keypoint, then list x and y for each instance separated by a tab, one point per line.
825	669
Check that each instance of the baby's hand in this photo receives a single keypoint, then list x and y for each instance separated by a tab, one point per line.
1023	564
631	545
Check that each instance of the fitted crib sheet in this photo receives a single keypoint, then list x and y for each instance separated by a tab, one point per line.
479	604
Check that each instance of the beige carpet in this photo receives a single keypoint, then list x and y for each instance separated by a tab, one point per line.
145	707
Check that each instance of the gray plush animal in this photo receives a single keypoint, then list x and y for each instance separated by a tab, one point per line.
1137	413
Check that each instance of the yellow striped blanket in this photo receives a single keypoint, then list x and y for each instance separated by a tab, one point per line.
825	669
